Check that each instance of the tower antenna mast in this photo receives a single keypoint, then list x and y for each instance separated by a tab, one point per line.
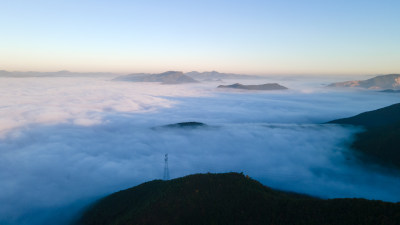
166	170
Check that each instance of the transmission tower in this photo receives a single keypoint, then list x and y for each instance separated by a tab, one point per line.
166	170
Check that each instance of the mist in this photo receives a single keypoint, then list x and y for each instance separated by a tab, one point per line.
65	142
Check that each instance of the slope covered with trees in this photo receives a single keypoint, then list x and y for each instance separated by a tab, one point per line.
380	140
230	198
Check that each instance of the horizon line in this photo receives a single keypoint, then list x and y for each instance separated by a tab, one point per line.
204	71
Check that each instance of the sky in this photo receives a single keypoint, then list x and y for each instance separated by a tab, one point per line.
254	37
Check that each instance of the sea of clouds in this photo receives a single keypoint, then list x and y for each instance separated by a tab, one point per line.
65	142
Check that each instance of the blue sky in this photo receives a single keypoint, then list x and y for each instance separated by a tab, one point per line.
257	37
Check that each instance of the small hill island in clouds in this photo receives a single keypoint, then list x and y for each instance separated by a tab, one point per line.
230	198
379	141
191	125
261	87
390	81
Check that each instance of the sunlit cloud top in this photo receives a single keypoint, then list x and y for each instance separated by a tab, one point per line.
256	36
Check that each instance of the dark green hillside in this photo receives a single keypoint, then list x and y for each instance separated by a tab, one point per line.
380	144
230	198
376	118
380	141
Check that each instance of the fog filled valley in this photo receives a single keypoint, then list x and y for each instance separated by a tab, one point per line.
67	141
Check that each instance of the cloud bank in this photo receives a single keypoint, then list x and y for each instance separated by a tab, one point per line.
67	141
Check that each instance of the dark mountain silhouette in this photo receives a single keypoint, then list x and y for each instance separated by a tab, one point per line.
390	81
379	142
375	118
263	87
170	77
230	198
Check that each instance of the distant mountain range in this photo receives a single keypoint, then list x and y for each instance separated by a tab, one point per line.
177	77
390	81
262	87
62	73
170	77
230	198
202	76
380	141
214	75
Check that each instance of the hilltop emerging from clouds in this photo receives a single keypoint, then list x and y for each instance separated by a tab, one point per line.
390	81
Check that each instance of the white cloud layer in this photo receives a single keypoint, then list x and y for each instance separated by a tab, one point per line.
67	141
81	101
